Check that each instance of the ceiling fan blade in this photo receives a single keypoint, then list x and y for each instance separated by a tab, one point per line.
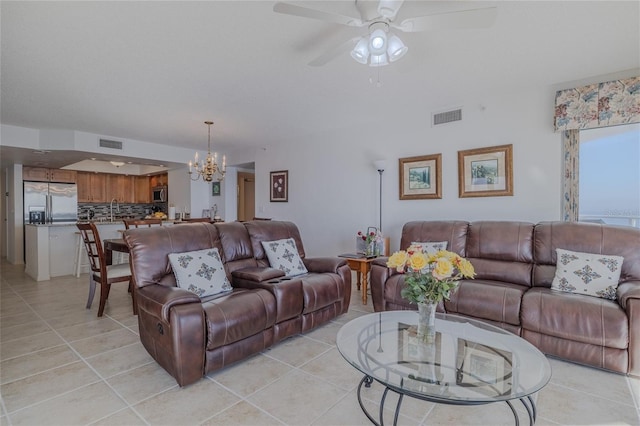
474	18
389	8
334	52
305	12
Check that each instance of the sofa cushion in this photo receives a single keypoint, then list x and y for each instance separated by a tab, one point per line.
238	315
283	255
575	317
587	273
200	271
486	299
452	231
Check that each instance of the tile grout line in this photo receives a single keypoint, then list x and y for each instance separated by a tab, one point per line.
83	360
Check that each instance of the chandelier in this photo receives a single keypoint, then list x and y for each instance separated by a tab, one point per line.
208	169
379	48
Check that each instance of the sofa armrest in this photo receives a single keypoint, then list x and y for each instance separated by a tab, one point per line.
381	261
626	291
158	300
257	274
324	264
629	300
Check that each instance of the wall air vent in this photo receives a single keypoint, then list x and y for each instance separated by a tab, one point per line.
446	117
106	143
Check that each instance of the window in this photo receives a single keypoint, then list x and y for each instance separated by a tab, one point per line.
609	175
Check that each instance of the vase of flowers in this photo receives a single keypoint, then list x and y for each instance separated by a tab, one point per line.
372	240
429	279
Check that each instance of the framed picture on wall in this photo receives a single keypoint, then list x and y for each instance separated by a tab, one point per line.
215	188
279	190
485	172
420	177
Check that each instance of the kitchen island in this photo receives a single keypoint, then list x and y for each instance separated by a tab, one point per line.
50	249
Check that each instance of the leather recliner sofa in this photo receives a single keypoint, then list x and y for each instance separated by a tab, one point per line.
189	336
515	263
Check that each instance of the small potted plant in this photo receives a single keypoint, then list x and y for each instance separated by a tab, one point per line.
373	241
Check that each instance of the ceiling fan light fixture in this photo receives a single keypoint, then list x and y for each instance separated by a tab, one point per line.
361	52
379	60
396	49
378	42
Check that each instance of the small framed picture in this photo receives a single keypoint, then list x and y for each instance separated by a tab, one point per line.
486	369
420	177
486	172
215	188
279	186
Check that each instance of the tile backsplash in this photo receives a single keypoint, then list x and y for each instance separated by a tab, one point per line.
102	211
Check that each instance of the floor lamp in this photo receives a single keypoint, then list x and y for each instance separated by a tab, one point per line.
380	164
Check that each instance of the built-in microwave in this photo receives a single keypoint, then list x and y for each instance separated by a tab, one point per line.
160	194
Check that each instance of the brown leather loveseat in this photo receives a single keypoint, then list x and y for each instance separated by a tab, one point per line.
515	264
190	336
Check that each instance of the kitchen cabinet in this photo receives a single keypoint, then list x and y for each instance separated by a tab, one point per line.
92	188
120	187
41	174
142	189
159	180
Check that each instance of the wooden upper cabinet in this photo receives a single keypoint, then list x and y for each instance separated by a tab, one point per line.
159	180
142	190
41	174
91	188
104	187
120	188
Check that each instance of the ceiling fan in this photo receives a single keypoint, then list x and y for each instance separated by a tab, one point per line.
381	46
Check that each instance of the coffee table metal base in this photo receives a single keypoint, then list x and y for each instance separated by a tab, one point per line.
527	401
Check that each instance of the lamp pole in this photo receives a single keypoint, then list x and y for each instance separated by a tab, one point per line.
380	167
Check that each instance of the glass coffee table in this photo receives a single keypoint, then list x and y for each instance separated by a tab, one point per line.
469	363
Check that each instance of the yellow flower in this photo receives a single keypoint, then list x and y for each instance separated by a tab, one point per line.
398	260
443	269
466	269
418	261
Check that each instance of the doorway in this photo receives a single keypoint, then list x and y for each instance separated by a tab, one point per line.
246	196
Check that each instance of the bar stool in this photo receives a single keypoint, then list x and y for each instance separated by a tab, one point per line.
79	255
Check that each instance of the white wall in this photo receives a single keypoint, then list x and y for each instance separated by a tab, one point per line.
333	185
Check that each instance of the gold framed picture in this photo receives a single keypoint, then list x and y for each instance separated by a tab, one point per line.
420	177
486	172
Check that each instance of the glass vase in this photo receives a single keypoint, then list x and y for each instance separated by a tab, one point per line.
372	249
427	321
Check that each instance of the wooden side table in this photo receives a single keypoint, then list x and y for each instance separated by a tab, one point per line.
362	266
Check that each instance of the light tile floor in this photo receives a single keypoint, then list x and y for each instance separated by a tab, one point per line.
61	365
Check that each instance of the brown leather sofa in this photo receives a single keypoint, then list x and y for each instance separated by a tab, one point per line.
191	337
515	264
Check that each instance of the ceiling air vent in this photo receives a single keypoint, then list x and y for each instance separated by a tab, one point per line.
446	117
105	143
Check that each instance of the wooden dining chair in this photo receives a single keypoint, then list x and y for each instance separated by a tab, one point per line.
137	223
197	219
102	273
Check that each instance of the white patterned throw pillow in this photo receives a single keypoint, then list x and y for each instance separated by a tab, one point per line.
431	247
200	272
283	255
587	273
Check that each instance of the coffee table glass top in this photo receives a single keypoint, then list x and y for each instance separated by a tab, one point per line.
469	362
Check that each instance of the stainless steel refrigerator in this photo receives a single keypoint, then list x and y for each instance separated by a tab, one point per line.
46	202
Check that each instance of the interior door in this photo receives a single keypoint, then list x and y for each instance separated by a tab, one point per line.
246	196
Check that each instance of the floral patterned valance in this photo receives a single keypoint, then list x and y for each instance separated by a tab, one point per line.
598	105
